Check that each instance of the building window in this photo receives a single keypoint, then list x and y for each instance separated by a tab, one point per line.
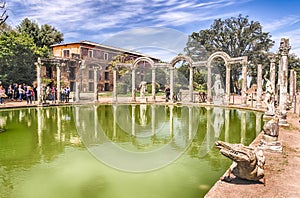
106	87
91	74
72	86
91	86
105	56
90	53
66	53
106	76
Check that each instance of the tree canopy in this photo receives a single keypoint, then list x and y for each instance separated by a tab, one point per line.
237	37
21	46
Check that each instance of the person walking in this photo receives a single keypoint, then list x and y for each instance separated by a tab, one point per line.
2	94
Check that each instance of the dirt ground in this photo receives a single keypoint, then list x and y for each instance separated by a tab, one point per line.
282	170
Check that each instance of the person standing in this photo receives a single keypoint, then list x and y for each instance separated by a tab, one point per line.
21	92
2	94
53	93
29	94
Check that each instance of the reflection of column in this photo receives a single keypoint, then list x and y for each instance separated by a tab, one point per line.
208	126
171	83
115	121
40	125
58	123
258	123
153	83
133	120
58	66
153	118
243	126
244	84
95	121
77	121
227	123
133	98
190	122
191	90
209	97
171	121
259	86
227	99
39	80
114	85
96	83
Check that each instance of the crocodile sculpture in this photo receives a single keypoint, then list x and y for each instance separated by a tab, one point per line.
248	163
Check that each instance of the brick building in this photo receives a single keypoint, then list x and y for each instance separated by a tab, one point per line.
80	61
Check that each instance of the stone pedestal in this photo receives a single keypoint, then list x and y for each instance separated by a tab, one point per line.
269	143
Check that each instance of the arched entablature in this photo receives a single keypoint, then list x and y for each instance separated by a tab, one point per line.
222	55
142	59
93	65
181	58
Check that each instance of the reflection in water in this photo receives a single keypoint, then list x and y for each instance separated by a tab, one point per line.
41	150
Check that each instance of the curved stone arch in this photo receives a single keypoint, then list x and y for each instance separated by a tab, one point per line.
191	68
140	59
180	58
219	54
94	64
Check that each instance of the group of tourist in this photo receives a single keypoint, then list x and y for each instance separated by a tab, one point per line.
50	93
19	92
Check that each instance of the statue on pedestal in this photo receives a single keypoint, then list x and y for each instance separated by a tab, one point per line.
269	98
269	140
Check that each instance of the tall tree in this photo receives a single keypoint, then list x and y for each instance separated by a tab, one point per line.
18	53
237	37
43	36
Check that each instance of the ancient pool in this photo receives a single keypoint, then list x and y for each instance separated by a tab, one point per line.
118	150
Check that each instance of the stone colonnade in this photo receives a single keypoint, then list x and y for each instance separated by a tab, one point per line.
192	65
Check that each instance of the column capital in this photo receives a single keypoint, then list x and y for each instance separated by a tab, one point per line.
272	58
284	47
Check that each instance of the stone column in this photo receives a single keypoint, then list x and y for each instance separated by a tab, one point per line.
191	88
209	96
227	95
171	83
114	84
96	83
292	91
133	98
39	80
273	71
244	85
259	86
58	67
153	83
283	51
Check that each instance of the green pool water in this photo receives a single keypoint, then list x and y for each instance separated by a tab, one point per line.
118	150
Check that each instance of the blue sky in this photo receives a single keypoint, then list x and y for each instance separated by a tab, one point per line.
142	25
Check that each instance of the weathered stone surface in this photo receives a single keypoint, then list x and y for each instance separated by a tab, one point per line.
248	163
